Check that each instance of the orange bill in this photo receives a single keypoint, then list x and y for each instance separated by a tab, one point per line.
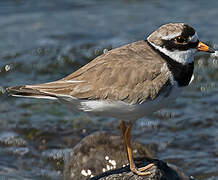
203	47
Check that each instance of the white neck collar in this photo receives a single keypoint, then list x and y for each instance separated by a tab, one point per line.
183	57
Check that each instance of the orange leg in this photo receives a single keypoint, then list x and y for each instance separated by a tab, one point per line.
123	129
126	132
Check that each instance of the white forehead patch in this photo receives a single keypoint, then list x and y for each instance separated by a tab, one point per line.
194	38
171	36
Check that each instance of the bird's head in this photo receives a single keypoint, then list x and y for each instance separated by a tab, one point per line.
179	41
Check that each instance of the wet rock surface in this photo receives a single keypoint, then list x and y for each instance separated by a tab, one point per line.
101	156
160	171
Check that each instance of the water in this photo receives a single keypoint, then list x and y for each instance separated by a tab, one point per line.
43	41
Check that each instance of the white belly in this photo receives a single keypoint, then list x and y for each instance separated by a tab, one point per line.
122	110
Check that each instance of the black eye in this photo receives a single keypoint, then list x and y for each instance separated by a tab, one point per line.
180	40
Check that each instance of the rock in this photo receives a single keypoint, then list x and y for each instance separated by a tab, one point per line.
160	171
101	156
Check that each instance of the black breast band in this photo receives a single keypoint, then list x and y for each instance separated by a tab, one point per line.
181	73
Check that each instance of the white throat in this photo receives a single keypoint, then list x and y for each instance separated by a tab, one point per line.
183	57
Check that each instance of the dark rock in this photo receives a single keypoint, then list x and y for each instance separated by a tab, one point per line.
160	171
102	156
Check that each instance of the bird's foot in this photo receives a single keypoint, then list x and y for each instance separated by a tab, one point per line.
127	138
142	171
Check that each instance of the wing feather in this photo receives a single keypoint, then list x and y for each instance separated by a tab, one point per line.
132	73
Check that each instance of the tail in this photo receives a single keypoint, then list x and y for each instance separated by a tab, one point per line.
53	90
25	91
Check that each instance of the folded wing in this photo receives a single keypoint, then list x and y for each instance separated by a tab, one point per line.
132	73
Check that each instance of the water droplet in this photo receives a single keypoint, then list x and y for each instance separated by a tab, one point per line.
108	167
106	158
105	51
2	90
7	68
203	88
89	172
113	162
215	62
83	172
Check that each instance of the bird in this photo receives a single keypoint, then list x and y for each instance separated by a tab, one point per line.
128	82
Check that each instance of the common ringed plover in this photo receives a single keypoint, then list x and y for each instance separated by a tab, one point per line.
130	81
